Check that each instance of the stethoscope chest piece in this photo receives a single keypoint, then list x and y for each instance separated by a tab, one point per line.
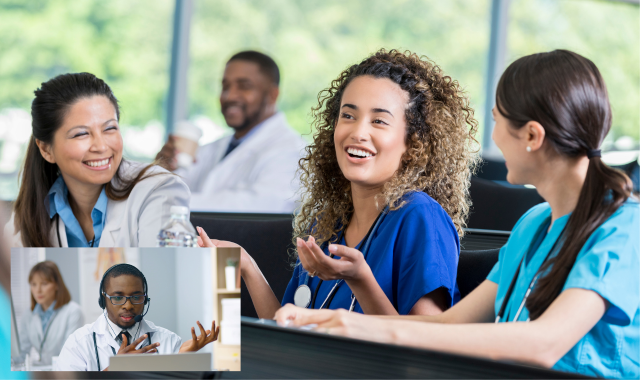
302	296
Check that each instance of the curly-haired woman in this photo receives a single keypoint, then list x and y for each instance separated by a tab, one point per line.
387	173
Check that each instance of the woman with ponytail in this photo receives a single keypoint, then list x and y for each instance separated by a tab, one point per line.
76	189
570	270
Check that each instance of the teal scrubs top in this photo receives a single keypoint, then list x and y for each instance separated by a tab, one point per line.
607	264
58	203
5	340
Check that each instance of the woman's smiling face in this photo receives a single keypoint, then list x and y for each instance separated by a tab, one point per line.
88	146
370	132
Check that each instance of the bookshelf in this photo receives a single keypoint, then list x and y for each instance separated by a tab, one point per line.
225	356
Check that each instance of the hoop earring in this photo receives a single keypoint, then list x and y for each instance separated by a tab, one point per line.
529	149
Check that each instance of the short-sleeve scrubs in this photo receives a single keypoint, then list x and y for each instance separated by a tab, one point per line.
607	264
413	252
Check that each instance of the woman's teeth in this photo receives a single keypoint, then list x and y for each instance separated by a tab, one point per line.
97	163
358	152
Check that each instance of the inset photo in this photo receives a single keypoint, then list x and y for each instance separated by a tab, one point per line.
125	309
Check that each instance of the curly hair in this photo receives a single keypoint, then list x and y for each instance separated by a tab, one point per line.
440	139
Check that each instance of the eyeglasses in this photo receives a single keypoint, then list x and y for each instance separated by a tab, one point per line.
121	300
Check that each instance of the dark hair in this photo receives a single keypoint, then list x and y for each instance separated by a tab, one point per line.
121	270
267	65
566	94
48	110
49	270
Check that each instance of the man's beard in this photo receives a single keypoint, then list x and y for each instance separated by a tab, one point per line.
249	119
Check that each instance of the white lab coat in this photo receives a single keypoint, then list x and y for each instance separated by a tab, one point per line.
79	351
257	176
135	221
48	343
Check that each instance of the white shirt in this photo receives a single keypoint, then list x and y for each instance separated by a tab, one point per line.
257	176
135	221
79	351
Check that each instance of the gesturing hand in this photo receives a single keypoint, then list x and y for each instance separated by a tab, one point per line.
350	266
206	337
131	348
205	241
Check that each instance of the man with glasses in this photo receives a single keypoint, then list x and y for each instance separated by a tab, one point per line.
122	329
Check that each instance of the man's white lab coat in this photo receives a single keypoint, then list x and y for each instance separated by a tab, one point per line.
79	351
133	222
257	176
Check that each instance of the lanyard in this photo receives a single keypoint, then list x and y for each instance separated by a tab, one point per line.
531	284
365	251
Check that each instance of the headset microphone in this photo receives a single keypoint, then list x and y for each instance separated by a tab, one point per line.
139	317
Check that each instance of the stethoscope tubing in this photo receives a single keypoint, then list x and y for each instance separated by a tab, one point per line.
365	251
531	284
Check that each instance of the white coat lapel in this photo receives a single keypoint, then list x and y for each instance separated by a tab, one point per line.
53	236
226	169
113	223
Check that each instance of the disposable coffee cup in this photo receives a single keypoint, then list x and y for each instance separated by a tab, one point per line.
186	139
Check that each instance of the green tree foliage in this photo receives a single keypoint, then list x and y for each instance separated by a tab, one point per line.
607	32
313	41
126	43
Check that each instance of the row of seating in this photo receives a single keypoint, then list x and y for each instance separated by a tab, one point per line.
268	237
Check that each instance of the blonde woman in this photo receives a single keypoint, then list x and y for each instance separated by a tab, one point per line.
387	173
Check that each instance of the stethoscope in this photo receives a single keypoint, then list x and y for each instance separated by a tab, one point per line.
302	297
503	307
95	344
92	242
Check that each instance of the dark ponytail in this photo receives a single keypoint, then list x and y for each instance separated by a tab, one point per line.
566	94
48	109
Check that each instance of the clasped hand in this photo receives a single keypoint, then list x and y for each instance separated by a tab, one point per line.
350	266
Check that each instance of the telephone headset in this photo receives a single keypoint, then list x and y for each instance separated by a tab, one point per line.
103	305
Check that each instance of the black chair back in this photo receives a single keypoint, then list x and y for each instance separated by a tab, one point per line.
473	268
498	207
267	241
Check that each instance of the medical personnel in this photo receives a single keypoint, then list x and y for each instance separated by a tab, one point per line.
388	173
76	189
54	315
254	169
568	274
122	329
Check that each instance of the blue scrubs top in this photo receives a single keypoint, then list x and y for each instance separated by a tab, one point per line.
608	264
413	252
58	203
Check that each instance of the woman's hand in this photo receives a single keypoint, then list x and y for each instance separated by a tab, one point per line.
205	241
337	322
196	343
351	266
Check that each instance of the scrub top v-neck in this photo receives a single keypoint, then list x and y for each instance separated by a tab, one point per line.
413	252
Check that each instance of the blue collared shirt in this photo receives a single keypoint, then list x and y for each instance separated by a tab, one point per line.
59	204
45	316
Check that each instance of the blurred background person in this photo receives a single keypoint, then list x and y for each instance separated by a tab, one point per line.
76	188
252	170
54	315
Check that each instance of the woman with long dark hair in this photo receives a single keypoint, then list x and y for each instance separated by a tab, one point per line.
76	189
388	172
570	267
54	315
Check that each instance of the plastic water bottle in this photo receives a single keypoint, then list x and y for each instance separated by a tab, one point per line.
179	232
